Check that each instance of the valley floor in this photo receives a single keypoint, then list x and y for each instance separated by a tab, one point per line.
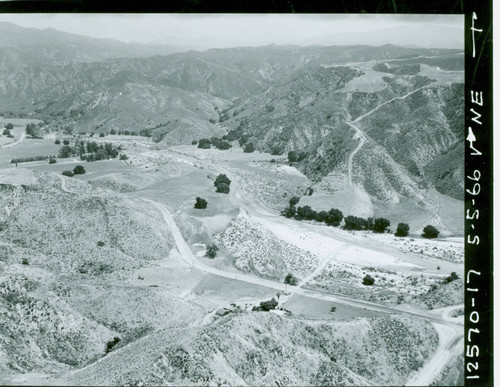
257	248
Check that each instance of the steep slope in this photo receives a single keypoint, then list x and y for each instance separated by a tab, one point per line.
266	349
407	125
62	255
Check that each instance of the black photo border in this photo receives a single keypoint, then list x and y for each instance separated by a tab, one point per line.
478	128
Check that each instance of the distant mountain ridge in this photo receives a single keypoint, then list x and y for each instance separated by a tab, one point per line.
406	102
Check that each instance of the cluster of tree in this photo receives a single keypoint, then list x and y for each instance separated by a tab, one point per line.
333	217
294	156
89	151
97	152
379	225
143	132
29	159
33	130
206	143
200	203
222	183
78	170
6	131
212	251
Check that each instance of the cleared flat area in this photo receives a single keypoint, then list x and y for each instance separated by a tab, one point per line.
27	148
307	307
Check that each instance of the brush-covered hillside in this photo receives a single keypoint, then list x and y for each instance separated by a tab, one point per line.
259	348
63	258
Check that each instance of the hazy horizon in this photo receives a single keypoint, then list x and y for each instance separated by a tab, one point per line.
232	30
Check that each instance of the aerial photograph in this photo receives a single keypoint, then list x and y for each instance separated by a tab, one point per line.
231	199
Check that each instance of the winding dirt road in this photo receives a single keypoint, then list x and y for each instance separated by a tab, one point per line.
450	334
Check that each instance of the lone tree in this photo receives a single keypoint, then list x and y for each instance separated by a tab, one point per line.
402	230
368	280
79	170
290	279
222	183
68	173
200	203
430	232
9	126
380	225
211	251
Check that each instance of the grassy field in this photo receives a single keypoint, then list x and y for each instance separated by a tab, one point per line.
28	148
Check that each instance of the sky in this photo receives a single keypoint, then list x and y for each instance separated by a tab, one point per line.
229	30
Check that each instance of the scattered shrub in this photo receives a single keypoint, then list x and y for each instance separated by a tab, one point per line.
68	173
249	148
52	160
6	132
294	201
112	131
368	280
200	203
25	261
402	230
9	126
100	243
57	142
123	156
430	232
101	134
333	309
309	191
66	141
452	277
194	142
79	170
